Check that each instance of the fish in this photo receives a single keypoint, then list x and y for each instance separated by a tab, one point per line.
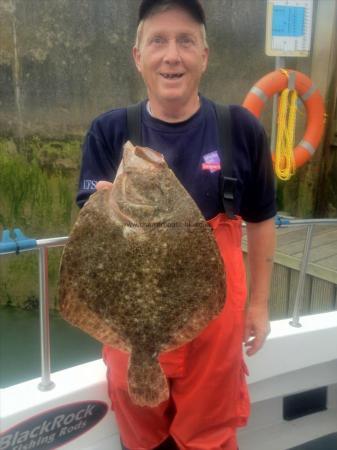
141	271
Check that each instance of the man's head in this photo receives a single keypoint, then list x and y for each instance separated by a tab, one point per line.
148	8
171	51
194	7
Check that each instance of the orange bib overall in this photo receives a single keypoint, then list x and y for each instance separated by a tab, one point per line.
208	392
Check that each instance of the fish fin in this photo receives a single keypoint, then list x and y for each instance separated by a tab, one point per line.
148	385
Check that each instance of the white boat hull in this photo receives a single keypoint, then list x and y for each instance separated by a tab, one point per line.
292	360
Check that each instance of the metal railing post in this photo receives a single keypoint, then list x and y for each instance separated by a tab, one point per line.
295	322
46	384
279	63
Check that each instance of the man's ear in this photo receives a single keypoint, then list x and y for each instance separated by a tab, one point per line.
136	58
205	59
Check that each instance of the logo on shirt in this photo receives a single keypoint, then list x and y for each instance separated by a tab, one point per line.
211	162
89	185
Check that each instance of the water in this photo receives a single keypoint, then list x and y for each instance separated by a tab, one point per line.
20	345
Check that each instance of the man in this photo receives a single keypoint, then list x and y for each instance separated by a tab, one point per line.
206	376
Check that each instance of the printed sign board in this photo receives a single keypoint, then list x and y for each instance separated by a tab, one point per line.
289	26
54	428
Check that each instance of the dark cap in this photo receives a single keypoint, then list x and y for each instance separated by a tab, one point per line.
193	7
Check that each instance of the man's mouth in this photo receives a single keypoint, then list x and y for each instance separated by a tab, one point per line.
172	76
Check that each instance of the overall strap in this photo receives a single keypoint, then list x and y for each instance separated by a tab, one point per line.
228	183
134	121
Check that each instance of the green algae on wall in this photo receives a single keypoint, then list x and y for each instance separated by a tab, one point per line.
37	191
299	195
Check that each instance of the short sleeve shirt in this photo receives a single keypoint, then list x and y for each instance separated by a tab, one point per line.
191	149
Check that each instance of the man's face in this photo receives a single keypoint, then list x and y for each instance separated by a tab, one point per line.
171	56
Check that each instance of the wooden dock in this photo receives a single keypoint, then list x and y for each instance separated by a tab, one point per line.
320	292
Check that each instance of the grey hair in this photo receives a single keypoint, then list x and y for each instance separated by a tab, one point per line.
160	9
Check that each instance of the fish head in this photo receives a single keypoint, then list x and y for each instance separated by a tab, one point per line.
142	186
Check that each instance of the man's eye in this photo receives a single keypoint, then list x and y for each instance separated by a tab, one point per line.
157	40
185	40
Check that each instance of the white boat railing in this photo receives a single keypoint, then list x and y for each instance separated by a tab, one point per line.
309	223
21	243
43	245
17	246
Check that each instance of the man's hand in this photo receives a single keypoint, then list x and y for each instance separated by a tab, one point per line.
257	328
100	185
261	244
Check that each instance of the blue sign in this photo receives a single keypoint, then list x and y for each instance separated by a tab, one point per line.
288	21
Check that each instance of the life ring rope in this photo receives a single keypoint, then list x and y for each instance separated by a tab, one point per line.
284	161
259	93
274	83
264	97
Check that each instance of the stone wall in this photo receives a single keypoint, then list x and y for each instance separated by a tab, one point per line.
62	62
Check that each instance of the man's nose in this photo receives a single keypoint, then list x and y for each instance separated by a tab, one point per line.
172	54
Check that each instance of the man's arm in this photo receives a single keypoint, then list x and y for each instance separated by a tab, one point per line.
261	246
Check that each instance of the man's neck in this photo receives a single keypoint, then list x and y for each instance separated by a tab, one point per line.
173	111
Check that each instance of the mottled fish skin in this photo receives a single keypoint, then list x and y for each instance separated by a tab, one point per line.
143	268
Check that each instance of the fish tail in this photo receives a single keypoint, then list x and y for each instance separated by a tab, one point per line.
147	383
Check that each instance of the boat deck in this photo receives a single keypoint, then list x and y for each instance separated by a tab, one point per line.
323	254
320	292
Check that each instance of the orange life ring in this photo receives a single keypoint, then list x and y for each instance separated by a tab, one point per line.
275	82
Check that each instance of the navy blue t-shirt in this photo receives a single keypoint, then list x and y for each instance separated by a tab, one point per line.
190	148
